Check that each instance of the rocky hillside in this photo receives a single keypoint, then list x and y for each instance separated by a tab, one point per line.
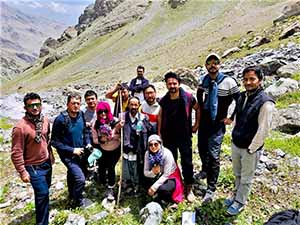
20	39
157	34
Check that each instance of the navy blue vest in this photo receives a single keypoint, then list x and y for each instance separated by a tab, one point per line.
247	119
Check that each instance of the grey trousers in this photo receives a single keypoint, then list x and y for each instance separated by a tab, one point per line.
130	172
244	165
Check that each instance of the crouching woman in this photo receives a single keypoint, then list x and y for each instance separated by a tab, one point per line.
164	173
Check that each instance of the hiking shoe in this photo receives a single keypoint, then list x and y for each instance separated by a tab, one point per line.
200	176
85	203
110	194
209	197
228	201
189	193
235	208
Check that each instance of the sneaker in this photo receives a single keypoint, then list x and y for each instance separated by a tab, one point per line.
209	197
189	193
228	201
235	208
85	203
201	175
110	194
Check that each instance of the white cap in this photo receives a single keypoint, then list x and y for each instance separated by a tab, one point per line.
212	55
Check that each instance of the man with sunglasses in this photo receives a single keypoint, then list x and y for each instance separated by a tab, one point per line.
32	155
215	93
70	137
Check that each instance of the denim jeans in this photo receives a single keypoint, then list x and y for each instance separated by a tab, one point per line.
75	179
40	179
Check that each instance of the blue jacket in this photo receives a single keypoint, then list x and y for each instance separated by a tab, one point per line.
133	87
69	133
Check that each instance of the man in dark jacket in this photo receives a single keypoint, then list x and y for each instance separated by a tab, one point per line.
70	137
175	126
252	123
138	84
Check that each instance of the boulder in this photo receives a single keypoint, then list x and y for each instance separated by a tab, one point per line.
292	9
282	86
89	14
258	41
287	120
68	34
270	65
151	214
289	31
175	3
230	51
48	61
51	43
103	7
44	51
75	219
289	70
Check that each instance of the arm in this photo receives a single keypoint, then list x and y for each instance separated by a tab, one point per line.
264	124
17	152
57	137
147	170
110	93
159	120
132	85
196	107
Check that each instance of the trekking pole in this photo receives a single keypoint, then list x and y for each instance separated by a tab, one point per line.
121	166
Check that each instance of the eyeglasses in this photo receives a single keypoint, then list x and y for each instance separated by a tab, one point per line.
31	106
102	111
153	144
214	62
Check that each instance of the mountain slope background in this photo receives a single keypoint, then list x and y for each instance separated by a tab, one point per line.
155	35
21	38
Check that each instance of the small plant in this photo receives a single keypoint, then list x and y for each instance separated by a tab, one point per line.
3	191
289	98
4	124
61	218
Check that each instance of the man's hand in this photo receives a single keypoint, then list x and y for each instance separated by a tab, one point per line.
227	121
156	169
78	151
195	128
25	178
151	192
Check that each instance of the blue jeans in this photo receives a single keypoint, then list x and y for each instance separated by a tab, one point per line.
40	179
75	179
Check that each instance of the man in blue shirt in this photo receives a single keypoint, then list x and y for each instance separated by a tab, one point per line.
69	137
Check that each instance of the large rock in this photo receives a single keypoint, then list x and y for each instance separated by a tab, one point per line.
230	51
292	9
68	34
282	86
258	41
175	3
289	31
89	14
270	65
287	120
103	7
50	43
289	70
75	219
48	61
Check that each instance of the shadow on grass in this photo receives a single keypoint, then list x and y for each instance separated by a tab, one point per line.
213	214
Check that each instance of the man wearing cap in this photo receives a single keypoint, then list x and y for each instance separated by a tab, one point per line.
113	94
31	154
215	93
175	126
252	122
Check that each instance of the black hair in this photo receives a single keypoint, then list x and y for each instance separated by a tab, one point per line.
133	97
31	96
89	93
124	86
258	72
172	75
73	95
141	67
149	86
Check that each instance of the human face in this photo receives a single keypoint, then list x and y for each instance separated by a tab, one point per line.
212	65
133	106
102	113
251	81
91	102
173	85
140	72
125	94
33	107
154	146
74	106
150	96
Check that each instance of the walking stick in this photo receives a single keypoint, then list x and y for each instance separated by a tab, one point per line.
121	174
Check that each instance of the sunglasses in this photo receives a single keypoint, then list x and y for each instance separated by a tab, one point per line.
215	62
102	111
153	144
31	106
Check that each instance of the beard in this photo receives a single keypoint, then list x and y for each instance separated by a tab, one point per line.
172	90
133	111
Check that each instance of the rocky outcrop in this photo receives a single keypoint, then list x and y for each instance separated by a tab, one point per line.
258	41
293	9
230	51
49	44
68	34
289	31
103	7
287	120
289	70
282	86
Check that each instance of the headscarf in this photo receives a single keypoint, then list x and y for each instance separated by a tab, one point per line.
109	116
157	157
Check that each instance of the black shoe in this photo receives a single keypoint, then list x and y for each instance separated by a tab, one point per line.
85	203
201	175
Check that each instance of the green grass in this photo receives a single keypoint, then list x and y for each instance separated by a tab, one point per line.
296	76
288	145
288	98
4	124
3	191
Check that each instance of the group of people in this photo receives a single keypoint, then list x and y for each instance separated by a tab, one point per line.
153	132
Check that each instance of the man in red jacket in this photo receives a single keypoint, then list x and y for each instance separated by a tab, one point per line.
31	154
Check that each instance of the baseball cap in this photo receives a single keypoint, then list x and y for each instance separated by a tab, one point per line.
212	55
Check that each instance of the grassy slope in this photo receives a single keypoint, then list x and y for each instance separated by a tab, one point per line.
172	38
